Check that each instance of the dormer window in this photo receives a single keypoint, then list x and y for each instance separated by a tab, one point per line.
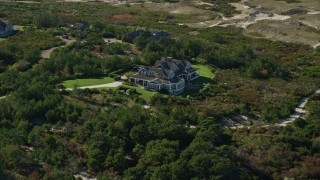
143	72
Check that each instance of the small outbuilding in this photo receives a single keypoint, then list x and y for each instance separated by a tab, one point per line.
6	29
81	25
155	35
134	34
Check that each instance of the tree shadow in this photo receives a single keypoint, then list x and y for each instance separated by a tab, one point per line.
192	89
201	80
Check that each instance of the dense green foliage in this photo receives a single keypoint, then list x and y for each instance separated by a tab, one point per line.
223	6
50	133
46	20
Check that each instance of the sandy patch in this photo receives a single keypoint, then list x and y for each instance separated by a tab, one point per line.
316	45
313	12
274	17
45	54
287	31
111	40
123	17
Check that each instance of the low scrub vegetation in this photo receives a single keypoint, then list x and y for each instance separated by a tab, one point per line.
131	133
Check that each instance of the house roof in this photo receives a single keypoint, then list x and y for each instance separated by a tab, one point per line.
160	72
78	25
168	65
6	29
144	67
171	81
156	35
2	26
149	78
165	67
135	34
158	80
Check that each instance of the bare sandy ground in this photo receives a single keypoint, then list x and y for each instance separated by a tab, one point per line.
45	54
275	20
242	20
281	6
317	45
313	12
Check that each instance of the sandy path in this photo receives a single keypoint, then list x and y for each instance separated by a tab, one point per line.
313	12
299	112
110	85
46	53
242	20
316	45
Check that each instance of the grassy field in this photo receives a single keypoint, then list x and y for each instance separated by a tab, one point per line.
2	39
87	82
205	73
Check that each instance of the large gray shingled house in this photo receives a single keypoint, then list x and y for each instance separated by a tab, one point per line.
167	74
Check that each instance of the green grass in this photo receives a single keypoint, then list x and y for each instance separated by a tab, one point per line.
20	28
205	73
87	82
2	39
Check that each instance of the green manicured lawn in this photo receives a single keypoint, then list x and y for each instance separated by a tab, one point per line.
87	82
2	39
205	73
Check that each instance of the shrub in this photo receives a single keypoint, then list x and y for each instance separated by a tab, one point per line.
115	76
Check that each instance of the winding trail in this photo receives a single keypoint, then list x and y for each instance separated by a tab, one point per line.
47	52
248	15
299	112
316	45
